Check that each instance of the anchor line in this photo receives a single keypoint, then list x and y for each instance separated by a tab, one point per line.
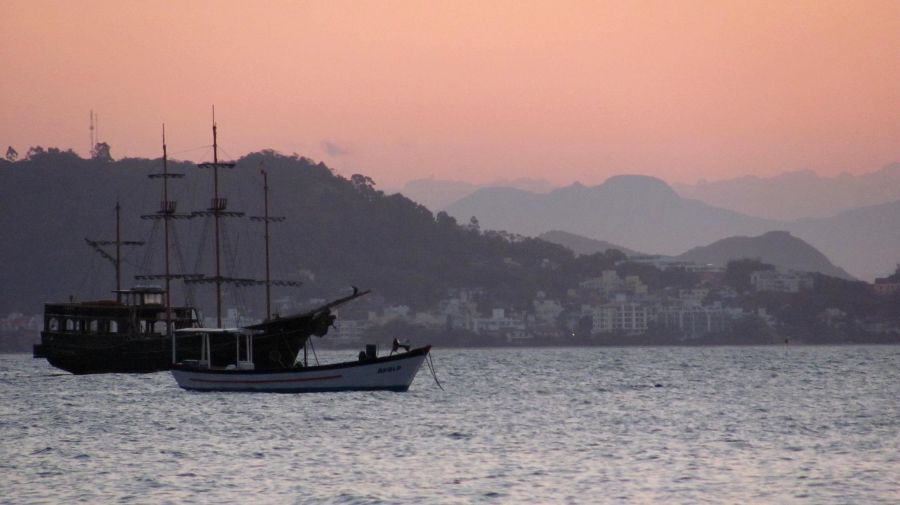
433	373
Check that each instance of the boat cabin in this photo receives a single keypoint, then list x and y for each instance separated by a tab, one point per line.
210	338
141	295
137	312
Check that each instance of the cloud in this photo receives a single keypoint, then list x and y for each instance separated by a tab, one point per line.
333	149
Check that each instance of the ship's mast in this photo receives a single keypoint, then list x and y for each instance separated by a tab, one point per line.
266	219
167	212
218	210
217	205
118	253
116	259
168	209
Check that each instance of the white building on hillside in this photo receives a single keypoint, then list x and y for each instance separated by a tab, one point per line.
783	282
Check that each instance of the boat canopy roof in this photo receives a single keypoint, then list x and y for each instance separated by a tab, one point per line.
141	290
214	331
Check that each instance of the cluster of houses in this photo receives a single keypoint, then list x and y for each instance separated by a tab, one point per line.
608	304
17	322
604	305
886	286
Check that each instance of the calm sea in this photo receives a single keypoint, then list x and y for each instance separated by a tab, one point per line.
811	425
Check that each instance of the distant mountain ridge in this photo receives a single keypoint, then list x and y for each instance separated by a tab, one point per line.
645	214
798	195
865	241
437	194
638	212
582	245
777	248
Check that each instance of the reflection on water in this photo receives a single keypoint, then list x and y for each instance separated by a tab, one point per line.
579	425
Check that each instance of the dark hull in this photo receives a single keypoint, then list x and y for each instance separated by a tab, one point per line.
89	354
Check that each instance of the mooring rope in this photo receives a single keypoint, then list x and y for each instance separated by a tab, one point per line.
433	373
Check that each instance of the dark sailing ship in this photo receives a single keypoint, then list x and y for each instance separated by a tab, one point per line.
134	332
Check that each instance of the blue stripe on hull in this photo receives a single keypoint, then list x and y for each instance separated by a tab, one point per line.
396	389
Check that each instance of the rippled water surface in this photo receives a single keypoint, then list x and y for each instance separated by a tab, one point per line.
576	425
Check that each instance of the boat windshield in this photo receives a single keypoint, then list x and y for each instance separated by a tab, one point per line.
153	298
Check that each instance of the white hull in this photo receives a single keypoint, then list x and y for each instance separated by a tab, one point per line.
392	373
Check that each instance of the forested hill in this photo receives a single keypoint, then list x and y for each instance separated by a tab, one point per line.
338	232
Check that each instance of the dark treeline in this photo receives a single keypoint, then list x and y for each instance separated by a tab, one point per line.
342	231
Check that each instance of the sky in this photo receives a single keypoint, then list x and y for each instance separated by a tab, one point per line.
471	91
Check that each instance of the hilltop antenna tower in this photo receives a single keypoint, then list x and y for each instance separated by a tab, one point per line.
93	128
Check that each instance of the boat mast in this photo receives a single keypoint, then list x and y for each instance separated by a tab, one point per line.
167	211
116	259
266	219
218	210
118	253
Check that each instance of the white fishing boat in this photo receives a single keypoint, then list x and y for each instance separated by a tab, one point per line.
394	372
267	356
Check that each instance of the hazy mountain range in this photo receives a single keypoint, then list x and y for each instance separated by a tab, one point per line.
788	196
646	214
797	195
638	212
583	245
778	248
437	194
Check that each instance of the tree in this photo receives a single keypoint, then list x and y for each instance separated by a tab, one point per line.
365	186
445	220
11	154
34	152
737	273
474	225
101	152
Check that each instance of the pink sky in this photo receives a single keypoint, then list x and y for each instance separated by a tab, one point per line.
472	91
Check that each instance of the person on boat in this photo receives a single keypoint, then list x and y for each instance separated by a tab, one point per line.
396	346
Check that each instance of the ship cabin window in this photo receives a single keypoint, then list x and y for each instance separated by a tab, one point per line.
114	327
53	324
159	327
93	326
152	298
70	325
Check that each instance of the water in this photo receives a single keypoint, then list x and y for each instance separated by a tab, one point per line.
576	425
